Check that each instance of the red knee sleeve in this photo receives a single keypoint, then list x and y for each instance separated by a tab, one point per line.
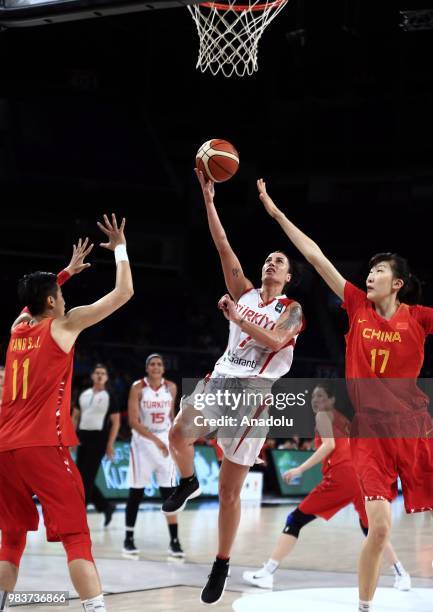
13	545
77	546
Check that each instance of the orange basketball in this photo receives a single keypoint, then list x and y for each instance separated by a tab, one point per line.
218	160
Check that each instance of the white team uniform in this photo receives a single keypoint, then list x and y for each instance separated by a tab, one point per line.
249	369
145	457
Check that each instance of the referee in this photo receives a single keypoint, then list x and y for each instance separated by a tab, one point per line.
97	420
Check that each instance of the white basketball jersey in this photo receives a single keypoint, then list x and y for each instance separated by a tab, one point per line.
155	407
244	357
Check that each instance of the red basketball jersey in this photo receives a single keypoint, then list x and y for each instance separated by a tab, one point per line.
384	357
37	391
341	452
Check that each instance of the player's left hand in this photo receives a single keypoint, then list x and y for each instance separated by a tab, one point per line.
228	306
266	199
207	186
110	451
291	474
79	253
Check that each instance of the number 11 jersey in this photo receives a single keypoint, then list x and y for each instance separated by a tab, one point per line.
37	391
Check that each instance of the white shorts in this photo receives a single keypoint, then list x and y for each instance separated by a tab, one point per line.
145	459
240	442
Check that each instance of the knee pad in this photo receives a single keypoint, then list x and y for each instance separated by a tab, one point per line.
295	521
77	546
363	529
13	545
166	492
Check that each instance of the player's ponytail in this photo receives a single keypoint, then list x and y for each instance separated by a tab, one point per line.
411	292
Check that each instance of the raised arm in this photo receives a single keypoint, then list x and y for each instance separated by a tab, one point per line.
236	281
134	418
66	329
324	429
288	326
309	249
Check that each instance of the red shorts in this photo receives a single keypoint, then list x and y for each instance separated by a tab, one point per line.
379	462
338	489
50	473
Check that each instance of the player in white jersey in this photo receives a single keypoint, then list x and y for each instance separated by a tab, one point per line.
264	326
151	412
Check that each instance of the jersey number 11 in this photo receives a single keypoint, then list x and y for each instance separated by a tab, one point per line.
26	364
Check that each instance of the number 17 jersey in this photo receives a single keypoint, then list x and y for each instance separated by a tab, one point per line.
386	355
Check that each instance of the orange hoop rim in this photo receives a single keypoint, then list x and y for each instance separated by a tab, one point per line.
243	7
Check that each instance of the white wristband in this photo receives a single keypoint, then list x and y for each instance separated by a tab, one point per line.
120	253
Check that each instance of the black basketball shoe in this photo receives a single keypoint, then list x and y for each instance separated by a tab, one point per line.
129	548
175	549
216	584
188	488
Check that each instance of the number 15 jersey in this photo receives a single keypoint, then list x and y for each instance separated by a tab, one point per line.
155	408
37	390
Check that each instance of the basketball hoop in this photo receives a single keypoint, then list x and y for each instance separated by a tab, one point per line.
229	34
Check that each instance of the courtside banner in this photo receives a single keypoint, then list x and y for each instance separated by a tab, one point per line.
259	408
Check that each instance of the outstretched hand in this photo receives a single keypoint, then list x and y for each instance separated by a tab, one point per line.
266	199
113	232
79	254
207	186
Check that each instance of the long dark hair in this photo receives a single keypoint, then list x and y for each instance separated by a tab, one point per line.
411	292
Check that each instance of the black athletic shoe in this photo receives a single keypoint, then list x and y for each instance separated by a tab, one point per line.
175	549
109	514
129	548
216	584
187	489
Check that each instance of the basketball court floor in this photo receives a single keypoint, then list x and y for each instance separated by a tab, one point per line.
319	575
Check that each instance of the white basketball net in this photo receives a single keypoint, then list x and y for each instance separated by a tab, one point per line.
229	34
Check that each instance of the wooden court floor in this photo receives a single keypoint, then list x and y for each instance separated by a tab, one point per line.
326	555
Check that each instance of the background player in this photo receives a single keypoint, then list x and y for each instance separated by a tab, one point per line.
338	489
264	326
384	356
97	420
151	412
36	428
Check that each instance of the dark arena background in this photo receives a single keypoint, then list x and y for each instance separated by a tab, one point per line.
105	115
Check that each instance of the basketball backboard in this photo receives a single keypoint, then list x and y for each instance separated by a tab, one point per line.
18	13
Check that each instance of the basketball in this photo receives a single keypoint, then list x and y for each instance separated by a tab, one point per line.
218	160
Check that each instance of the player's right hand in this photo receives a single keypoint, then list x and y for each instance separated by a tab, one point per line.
163	448
79	253
114	233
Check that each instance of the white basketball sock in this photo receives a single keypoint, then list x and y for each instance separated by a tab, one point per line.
271	565
3	600
398	569
365	606
96	604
